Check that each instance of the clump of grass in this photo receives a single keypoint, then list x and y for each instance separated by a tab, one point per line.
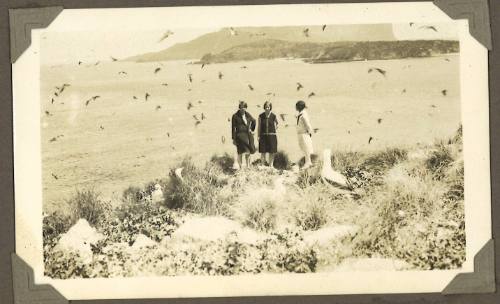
225	162
87	204
261	215
282	161
439	160
133	195
199	189
54	225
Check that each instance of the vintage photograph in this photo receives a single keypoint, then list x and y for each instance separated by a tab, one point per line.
252	150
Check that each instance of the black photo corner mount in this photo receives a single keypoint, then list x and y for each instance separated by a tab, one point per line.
478	14
482	280
26	291
22	21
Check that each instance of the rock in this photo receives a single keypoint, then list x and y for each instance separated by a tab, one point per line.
78	240
215	228
372	264
326	235
143	241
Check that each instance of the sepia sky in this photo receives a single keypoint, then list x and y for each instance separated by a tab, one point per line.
90	47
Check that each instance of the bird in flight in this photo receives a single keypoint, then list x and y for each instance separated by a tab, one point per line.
299	86
79	62
444	92
306	32
168	134
223	139
412	23
200	101
158	107
370	140
195	117
97	63
122	72
134	97
93	98
113	58
316	130
283	116
157	70
311	95
379	120
221	75
203	116
101	127
382	72
165	35
54	176
197	123
404	91
250	87
426	27
243	67
190	77
233	31
147	96
164	84
323	28
189	106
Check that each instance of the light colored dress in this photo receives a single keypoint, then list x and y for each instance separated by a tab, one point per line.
304	132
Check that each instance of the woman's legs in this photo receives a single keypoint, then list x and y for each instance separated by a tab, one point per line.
240	160
247	156
263	158
271	160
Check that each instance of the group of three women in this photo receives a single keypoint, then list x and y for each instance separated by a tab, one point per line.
243	127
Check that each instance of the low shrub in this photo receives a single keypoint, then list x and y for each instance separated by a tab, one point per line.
439	160
225	162
198	190
260	215
88	205
282	161
54	225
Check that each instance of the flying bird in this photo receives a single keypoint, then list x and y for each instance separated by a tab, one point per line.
200	101
404	91
52	101
48	113
379	120
79	62
306	32
158	107
165	35
56	94
426	27
323	28
444	92
53	139
243	67
382	72
157	70
370	140
195	117
202	65
189	106
97	63
197	123
147	96
299	86
250	87
316	130
122	72
412	23
168	134
164	84
134	97
190	76
54	176
233	31
223	139
221	75
311	95
283	116
433	106
203	116
113	58
101	127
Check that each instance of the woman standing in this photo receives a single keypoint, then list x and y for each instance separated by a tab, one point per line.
268	142
304	133
242	128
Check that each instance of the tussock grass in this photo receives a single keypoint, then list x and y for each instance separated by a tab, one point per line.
87	204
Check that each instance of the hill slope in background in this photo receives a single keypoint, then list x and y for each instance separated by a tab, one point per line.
334	52
217	42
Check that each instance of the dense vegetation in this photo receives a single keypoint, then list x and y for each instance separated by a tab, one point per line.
406	204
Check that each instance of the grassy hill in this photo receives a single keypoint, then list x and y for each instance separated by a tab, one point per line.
223	40
332	52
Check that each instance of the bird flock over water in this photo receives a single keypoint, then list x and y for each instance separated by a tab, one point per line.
199	118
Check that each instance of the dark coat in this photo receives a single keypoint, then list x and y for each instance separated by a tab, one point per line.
240	132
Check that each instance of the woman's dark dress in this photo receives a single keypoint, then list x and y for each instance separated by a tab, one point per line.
241	132
268	142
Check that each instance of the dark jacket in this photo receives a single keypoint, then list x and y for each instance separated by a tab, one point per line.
238	124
